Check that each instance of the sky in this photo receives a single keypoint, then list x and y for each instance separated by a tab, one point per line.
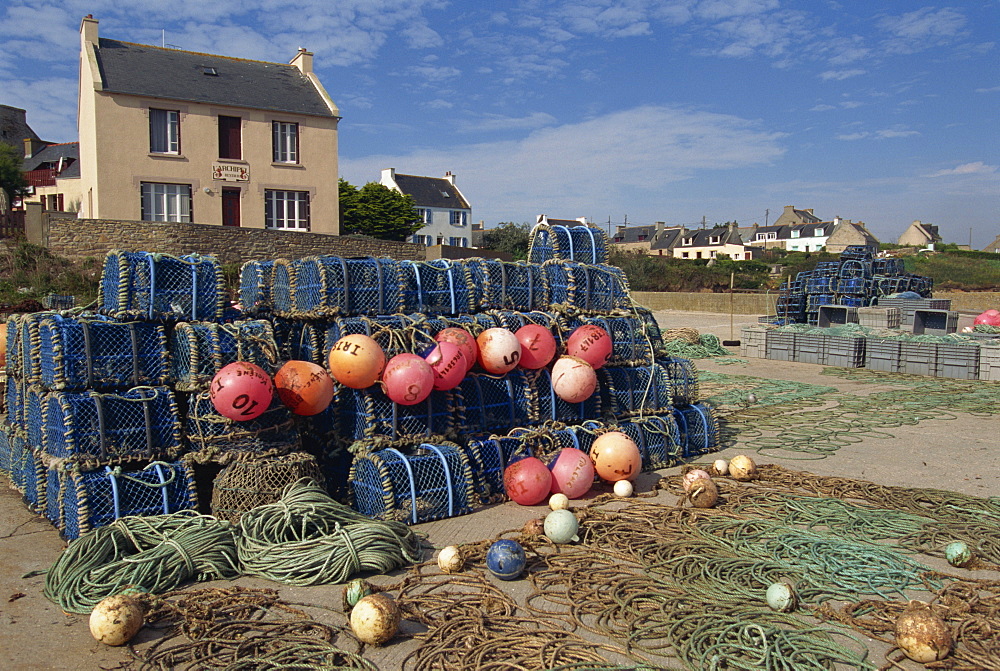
620	111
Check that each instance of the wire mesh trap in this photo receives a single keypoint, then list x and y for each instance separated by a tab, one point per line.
246	483
147	285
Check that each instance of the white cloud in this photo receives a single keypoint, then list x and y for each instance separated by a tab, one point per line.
853	136
922	29
434	74
822	108
499	122
992	89
894	133
724	9
839	75
50	103
595	164
977	168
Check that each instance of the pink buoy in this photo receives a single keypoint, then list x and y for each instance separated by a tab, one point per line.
241	391
573	379
408	379
527	481
990	318
465	342
572	473
449	365
538	347
590	343
499	351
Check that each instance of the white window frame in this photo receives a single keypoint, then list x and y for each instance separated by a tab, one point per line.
796	234
772	236
284	142
165	126
714	240
458	217
165	202
687	241
286	210
458	241
423	215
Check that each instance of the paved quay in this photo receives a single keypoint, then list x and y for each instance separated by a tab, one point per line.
953	451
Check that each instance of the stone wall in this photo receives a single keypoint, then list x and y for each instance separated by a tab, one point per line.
83	238
764	304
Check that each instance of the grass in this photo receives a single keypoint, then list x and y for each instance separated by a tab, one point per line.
30	272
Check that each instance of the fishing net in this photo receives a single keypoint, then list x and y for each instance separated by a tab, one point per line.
94	353
91	428
318	287
438	287
586	288
508	285
638	390
487	403
98	498
369	413
14	395
246	483
13	364
429	481
198	351
698	427
256	279
144	285
584	244
215	438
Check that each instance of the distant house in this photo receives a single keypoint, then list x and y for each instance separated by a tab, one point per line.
847	233
657	239
920	234
445	212
791	216
809	237
709	243
14	128
53	174
172	135
993	246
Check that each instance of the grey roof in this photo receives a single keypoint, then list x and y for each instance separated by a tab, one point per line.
667	239
431	192
14	128
171	74
50	155
702	236
644	233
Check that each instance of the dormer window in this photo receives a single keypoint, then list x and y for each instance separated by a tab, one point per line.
714	240
210	71
795	234
687	241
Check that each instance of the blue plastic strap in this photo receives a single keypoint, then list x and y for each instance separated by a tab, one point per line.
510	394
194	287
152	282
569	237
420	290
114	490
451	283
447	476
593	244
413	484
163	488
552	394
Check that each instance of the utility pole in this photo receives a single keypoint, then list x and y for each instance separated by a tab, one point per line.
767	214
703	221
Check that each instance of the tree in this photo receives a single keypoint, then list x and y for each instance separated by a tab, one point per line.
378	211
508	237
11	178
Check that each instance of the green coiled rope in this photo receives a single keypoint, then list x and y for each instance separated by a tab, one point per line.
307	538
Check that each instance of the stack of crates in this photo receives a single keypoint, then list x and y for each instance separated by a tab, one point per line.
934	322
753	342
907	306
989	362
879	317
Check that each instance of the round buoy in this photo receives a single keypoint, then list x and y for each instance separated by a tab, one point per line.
449	365
465	342
241	391
375	619
499	351
538	346
590	343
573	379
558	501
572	472
616	457
356	361
990	318
527	481
958	554
623	489
561	526
304	387
450	559
506	559
408	379
116	619
355	591
692	475
742	468
780	597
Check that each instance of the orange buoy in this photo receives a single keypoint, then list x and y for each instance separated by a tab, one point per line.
465	342
304	387
616	457
356	361
590	343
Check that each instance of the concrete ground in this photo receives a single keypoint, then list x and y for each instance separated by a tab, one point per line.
955	454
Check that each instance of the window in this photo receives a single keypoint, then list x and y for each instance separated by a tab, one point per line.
285	142
230	131
458	242
761	236
423	215
795	234
684	255
458	218
714	240
687	241
712	253
772	236
288	210
164	131
166	202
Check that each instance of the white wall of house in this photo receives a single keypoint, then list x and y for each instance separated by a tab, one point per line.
444	227
735	252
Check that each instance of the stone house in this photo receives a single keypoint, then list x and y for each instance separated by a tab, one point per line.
920	234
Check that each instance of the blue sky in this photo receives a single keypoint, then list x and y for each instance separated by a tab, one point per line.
672	110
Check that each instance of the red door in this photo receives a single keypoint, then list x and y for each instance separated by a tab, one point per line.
230	207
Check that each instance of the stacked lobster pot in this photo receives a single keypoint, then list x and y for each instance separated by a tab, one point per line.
434	459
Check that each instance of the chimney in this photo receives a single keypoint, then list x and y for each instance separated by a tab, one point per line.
620	229
388	176
450	177
88	29
303	60
659	226
33	146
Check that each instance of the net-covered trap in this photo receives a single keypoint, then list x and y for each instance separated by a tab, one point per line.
369	413
636	390
90	427
395	334
487	403
12	342
200	350
635	341
431	481
256	278
585	244
699	429
546	406
213	437
28	352
658	438
18	455
683	378
97	498
318	287
250	482
97	353
585	287
508	285
14	402
438	287
146	285
34	473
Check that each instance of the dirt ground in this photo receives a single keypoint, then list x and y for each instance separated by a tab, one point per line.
956	454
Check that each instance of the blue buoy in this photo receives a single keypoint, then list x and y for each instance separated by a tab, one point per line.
505	559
